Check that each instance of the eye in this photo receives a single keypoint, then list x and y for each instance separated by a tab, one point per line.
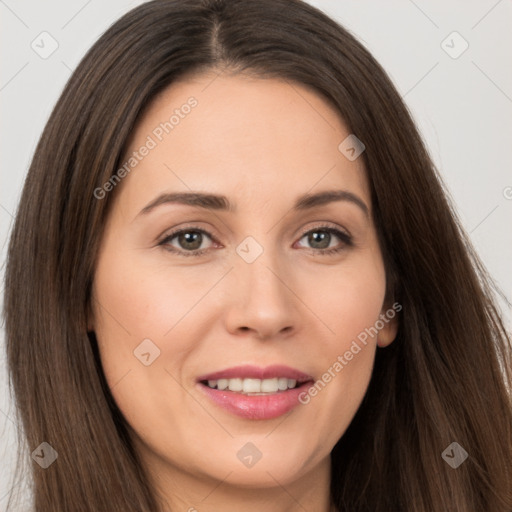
321	238
188	242
194	241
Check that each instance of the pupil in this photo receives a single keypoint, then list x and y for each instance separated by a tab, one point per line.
321	237
189	240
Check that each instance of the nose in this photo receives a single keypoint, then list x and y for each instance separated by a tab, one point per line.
262	302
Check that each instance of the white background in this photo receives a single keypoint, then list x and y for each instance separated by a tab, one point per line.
462	106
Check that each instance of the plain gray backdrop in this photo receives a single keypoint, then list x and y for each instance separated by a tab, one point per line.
449	60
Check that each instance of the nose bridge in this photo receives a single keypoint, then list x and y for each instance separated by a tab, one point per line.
262	300
259	273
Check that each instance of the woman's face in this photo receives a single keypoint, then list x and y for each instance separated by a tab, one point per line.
221	260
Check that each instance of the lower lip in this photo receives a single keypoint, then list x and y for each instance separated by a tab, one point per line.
256	407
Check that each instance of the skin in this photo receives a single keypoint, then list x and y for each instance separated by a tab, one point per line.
261	143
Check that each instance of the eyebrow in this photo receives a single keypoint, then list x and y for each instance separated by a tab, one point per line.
222	203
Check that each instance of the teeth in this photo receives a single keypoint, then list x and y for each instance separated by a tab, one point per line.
282	383
235	384
221	384
250	386
270	385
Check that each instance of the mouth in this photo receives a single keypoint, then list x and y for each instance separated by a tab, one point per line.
255	393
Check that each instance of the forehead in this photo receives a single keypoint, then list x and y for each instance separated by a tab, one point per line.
261	139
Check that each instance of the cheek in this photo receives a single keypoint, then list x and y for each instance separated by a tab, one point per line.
348	308
137	301
140	299
347	301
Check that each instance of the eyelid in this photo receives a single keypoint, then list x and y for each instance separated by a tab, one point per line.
325	225
186	227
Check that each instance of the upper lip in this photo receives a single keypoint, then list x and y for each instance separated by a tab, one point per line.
257	372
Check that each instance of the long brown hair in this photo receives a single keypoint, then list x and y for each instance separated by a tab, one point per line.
445	378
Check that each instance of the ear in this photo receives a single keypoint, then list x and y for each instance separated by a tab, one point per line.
389	317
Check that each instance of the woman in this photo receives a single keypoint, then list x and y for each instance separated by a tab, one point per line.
247	288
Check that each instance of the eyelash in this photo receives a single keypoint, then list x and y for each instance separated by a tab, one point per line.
344	237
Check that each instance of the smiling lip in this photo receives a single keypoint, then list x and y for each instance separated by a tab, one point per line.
255	372
256	407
